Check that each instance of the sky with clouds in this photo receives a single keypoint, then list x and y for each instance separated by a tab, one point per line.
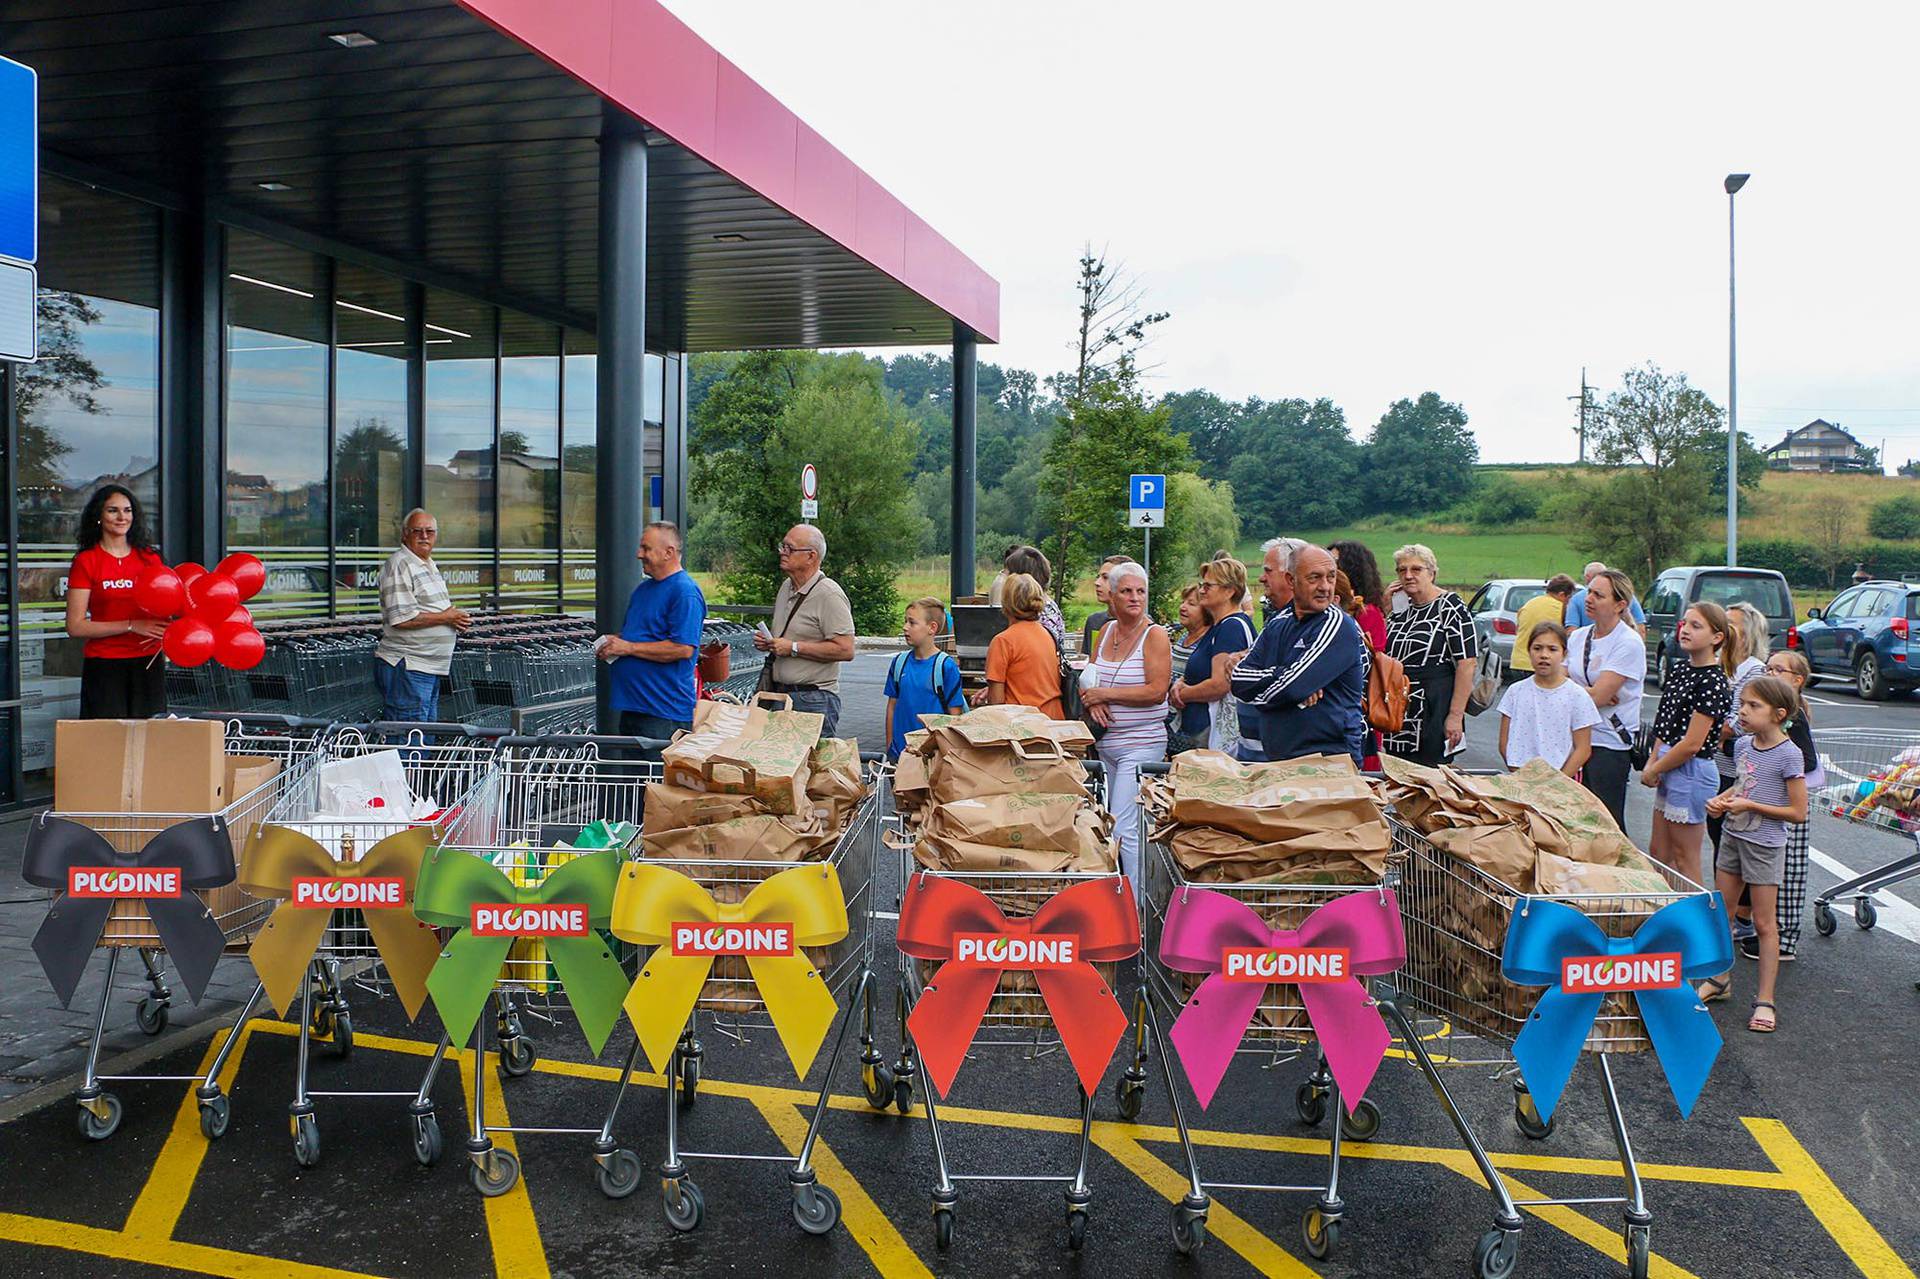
1370	201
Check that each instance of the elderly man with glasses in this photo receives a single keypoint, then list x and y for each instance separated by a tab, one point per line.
418	625
812	629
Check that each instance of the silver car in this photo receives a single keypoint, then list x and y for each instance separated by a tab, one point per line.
1496	610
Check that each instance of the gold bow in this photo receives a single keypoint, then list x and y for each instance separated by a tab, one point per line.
276	856
652	900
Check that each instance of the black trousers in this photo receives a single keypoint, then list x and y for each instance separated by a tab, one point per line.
123	687
1606	776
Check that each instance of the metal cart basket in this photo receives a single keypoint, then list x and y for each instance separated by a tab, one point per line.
1873	779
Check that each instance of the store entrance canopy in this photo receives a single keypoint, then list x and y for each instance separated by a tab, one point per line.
459	142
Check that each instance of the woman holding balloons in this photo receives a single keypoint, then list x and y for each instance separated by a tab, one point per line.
121	674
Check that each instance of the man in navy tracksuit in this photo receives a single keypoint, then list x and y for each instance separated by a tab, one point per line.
1307	672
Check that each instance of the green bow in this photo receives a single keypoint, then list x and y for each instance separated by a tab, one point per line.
452	882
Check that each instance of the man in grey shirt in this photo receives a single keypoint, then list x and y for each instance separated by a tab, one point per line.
812	629
418	625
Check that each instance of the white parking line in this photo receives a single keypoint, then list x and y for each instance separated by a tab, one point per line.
1897	916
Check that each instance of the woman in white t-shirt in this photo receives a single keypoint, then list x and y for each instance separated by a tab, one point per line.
1609	660
1548	716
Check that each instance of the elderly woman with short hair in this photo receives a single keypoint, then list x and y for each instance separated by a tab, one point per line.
1124	690
1433	637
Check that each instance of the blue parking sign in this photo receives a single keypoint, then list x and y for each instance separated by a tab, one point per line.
19	161
1147	493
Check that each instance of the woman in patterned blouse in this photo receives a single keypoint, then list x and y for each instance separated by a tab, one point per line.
1433	638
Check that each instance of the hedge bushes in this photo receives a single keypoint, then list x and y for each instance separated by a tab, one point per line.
1896	519
1805	565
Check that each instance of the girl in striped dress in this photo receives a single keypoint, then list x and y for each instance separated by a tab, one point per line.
1126	694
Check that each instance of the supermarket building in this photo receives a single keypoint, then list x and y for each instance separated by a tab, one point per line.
306	264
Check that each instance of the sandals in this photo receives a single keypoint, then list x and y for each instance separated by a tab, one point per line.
1765	1024
1715	989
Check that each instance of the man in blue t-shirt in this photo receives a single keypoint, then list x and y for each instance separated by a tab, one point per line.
654	652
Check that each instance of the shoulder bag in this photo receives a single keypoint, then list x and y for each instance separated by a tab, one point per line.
1639	741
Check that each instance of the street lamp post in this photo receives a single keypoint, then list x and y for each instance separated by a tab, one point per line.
1733	183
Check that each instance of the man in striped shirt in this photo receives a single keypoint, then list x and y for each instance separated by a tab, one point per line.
1307	673
418	625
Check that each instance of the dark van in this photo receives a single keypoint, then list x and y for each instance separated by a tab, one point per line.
1678	589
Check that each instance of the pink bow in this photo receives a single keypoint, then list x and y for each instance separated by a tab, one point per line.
1205	930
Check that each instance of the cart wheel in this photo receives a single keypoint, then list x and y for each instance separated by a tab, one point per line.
322	1022
681	1198
816	1208
1497	1254
103	1123
1865	913
620	1175
517	1056
1823	920
1131	1094
306	1141
342	1042
943	1228
1320	1232
426	1139
1526	1117
1363	1124
216	1113
689	1080
494	1173
1189	1229
1076	1228
903	1096
1639	1252
150	1015
877	1078
1311	1103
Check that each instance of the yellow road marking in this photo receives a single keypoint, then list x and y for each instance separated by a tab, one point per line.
511	1228
193	1258
871	1228
1832	1209
1223	1223
164	1197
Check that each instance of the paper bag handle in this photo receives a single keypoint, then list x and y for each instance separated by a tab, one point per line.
1050	749
746	774
778	701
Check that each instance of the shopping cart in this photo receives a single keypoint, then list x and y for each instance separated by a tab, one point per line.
1873	779
1457	919
1279	1033
313	949
825	906
198	849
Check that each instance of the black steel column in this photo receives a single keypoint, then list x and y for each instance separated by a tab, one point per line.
620	479
674	429
412	480
966	387
192	364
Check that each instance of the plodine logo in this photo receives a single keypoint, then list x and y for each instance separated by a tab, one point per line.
1295	965
149	881
700	940
1016	950
117	584
1613	974
559	919
329	892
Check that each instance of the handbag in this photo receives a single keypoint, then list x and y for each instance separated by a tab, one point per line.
1388	689
1485	694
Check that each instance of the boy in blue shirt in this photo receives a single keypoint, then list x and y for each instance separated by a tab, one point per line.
923	681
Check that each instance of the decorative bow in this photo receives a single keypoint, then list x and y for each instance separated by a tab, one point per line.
1545	933
452	882
1202	924
276	856
200	850
1098	915
653	901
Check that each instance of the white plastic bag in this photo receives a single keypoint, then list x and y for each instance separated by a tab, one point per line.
371	785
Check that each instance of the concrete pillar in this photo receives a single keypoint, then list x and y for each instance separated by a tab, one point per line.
620	479
966	386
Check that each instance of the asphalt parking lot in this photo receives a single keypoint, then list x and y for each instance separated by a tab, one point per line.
1800	1159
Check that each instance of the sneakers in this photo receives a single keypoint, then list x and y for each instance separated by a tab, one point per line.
1743	929
1750	948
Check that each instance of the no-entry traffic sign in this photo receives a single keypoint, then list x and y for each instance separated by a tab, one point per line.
809	491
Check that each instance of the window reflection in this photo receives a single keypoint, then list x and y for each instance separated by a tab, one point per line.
577	513
370	431
461	343
529	481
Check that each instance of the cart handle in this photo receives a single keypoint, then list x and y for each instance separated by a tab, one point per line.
552	740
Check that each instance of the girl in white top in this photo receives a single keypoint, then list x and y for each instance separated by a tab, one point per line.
1549	716
1125	689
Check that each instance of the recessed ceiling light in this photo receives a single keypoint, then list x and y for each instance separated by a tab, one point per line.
904	328
731	237
268	284
273	186
352	39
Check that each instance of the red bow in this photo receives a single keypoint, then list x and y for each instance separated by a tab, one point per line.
1097	916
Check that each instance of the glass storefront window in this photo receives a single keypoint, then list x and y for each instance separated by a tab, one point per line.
370	432
462	343
276	475
529	481
577	511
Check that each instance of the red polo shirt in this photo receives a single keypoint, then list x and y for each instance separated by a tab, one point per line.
110	578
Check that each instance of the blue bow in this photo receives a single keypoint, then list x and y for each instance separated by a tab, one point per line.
1543	933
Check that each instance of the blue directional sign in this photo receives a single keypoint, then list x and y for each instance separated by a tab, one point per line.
656	492
19	162
1147	493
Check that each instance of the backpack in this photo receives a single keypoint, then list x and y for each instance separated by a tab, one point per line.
1387	691
933	674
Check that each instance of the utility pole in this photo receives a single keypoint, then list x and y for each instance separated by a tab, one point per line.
1586	402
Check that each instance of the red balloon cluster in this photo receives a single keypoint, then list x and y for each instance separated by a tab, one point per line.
210	621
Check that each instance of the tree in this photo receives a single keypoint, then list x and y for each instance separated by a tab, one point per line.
1299	468
1208	523
1420	458
1214	426
368	452
1895	520
513	443
1649	515
64	369
1831	527
1713	455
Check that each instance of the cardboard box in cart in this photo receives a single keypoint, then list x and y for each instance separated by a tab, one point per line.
157	772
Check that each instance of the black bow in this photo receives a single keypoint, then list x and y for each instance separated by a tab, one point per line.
200	849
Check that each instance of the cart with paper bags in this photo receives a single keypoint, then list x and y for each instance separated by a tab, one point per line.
139	848
1518	881
1870	777
1270	904
340	852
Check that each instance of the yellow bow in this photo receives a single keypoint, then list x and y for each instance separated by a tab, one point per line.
660	907
276	856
